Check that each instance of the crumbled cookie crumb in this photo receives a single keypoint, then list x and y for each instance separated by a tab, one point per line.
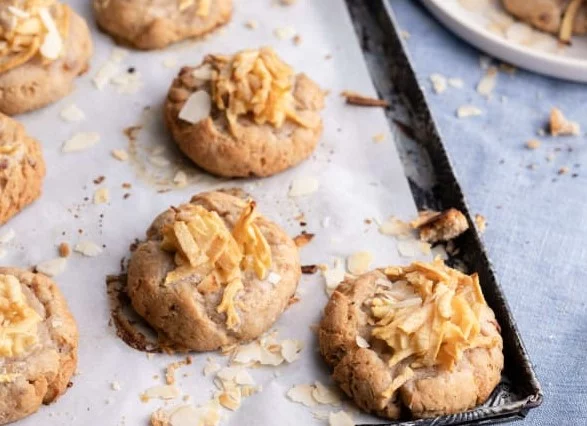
64	249
309	269
443	226
173	367
533	144
303	239
481	223
560	126
563	170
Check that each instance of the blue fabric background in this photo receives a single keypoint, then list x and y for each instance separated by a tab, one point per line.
537	219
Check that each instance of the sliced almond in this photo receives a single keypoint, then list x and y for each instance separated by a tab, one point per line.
360	262
196	108
302	394
52	267
88	248
81	141
303	186
72	113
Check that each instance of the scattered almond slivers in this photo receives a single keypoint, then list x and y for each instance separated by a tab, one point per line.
268	350
259	84
431	315
203	244
32	31
313	395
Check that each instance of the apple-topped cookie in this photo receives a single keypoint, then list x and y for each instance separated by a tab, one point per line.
245	114
212	272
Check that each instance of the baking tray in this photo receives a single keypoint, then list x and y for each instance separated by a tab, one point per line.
434	185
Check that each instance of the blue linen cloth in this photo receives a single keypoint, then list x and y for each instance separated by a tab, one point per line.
537	218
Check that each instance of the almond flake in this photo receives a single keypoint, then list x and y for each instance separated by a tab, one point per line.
487	83
248	353
252	24
395	227
52	267
197	107
333	277
481	223
533	144
468	111
359	263
120	154
438	83
340	418
203	72
72	113
115	385
170	62
273	278
180	179
211	367
52	43
159	161
379	137
302	394
285	33
7	236
325	395
362	343
230	399
81	141
291	349
102	196
88	248
408	248
188	415
303	186
457	83
161	392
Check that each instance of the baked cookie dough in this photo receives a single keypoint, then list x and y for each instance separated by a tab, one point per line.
22	168
38	343
244	115
212	272
44	46
158	23
417	339
562	17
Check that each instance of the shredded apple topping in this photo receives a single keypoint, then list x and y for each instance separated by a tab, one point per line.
256	83
431	314
18	321
29	28
203	245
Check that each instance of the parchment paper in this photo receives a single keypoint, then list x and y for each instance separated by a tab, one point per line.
359	180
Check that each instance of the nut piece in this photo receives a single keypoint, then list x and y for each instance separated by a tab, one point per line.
560	126
443	226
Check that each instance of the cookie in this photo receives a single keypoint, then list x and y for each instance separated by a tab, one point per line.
22	168
212	272
40	67
38	343
417	339
160	22
244	115
549	15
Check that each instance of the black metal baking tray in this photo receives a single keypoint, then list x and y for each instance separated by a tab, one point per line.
395	80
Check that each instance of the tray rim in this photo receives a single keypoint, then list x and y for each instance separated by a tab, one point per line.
535	396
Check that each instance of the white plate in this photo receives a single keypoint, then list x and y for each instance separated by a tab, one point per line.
486	25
